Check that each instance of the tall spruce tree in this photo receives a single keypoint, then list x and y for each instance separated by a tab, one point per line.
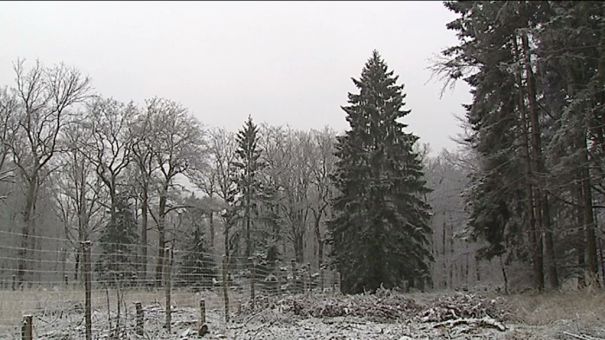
380	229
249	189
570	52
499	198
118	242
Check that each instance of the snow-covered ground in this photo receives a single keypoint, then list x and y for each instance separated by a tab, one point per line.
385	315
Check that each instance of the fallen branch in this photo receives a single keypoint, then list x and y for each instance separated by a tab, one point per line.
485	321
579	336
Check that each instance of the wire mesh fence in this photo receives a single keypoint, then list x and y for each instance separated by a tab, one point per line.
130	295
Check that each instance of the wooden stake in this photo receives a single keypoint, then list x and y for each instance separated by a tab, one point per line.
203	330
27	328
202	312
140	318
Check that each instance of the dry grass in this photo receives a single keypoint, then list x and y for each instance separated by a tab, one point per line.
54	302
532	316
547	308
15	304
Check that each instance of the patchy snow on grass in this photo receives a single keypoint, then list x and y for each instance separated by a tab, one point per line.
385	315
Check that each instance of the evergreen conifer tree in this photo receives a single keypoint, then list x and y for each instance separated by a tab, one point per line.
118	242
249	192
381	226
536	73
197	266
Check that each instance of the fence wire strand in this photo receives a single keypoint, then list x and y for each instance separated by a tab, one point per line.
48	282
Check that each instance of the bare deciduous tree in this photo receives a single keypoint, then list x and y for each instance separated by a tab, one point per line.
322	167
8	107
44	94
221	149
142	152
79	190
296	183
178	148
110	148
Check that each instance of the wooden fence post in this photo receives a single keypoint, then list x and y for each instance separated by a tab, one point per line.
140	318
27	328
87	288
203	329
202	311
225	291
167	286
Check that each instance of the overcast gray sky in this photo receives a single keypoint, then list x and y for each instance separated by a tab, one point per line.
285	63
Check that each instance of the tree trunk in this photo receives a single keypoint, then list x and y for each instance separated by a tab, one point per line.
542	198
144	223
160	261
113	197
477	270
451	259
211	221
226	236
585	192
533	235
466	265
602	259
247	222
581	245
504	276
161	235
443	256
83	220
299	247
318	238
28	227
588	219
549	246
77	264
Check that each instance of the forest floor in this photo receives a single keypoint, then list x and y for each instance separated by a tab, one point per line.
385	315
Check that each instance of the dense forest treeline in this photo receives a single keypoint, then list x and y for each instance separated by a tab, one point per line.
519	205
80	166
537	74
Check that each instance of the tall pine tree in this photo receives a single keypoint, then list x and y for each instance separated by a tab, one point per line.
380	228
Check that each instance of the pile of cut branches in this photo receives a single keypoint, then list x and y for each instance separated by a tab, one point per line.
375	307
467	309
